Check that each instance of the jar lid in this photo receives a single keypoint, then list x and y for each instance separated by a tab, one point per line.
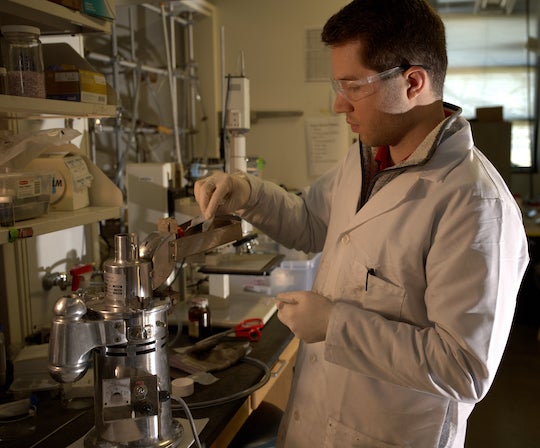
199	301
6	29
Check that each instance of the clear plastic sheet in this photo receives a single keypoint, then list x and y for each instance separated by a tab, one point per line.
17	150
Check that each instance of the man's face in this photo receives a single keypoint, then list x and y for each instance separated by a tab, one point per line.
379	115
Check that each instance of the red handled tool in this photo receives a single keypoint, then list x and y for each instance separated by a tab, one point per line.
250	329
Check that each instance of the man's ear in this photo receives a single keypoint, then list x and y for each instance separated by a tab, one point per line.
417	79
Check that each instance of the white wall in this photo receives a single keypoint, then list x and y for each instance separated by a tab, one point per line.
272	36
55	252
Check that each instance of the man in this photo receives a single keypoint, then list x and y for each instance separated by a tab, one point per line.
423	247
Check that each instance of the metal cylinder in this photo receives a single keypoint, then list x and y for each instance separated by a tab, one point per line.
132	385
127	278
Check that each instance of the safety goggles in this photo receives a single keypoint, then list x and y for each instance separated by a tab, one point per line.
354	90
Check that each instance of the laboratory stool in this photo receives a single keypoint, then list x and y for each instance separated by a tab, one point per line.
260	429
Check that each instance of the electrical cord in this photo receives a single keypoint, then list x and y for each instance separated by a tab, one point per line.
184	405
238	395
223	128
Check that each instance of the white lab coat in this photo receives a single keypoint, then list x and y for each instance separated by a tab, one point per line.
413	345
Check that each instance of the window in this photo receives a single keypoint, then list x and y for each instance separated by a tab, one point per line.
511	87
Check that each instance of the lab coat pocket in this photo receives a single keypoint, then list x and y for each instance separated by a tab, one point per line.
383	296
339	435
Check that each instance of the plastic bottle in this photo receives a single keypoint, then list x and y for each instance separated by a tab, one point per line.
24	61
3	361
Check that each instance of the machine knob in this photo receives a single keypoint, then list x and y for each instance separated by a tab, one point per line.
145	408
70	307
140	391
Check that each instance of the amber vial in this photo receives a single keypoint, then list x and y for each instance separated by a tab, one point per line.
200	324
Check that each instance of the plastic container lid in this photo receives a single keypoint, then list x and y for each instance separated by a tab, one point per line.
20	29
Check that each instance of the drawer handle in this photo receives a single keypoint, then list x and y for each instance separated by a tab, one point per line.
282	363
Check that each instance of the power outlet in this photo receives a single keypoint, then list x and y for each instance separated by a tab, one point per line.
235	119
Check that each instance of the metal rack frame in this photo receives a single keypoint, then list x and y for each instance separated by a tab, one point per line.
183	100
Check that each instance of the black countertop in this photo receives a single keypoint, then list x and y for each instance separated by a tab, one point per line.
56	426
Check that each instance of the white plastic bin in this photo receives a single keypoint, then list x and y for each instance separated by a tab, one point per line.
294	275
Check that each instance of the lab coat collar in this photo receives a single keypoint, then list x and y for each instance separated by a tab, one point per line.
443	149
436	137
421	155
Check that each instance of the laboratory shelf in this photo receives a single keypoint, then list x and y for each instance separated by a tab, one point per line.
61	220
20	107
51	18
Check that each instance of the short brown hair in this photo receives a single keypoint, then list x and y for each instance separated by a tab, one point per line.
393	33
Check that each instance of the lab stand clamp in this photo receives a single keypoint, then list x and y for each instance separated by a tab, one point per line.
124	332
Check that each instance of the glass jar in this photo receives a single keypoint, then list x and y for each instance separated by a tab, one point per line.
3	81
199	321
24	61
7	217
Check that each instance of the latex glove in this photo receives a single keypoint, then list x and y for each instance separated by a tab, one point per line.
305	313
222	193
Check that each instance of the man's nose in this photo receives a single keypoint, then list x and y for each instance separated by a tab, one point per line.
341	104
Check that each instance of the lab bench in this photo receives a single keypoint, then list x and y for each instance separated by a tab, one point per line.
59	426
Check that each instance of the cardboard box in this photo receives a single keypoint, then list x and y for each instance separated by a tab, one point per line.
99	8
31	359
76	84
71	179
102	192
489	113
58	57
71	4
494	139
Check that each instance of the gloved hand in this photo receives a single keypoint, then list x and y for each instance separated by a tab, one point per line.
306	314
222	193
